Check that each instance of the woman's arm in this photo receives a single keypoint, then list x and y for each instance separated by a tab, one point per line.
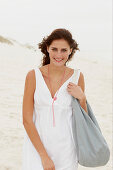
82	100
28	105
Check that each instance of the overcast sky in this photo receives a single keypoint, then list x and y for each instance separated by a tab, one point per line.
90	21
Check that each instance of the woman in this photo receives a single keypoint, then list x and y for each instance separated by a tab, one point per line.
47	110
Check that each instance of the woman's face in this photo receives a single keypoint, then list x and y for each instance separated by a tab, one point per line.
59	51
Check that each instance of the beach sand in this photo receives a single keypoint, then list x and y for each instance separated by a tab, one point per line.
15	62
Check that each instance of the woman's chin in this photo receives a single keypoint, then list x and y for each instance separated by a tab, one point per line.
58	64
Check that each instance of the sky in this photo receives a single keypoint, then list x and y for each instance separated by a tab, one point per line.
28	21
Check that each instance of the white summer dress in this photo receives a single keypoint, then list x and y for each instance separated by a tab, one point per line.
58	140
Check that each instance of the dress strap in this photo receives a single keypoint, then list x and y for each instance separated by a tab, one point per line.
36	71
36	76
76	76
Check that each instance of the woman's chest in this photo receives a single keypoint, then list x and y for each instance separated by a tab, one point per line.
44	97
53	85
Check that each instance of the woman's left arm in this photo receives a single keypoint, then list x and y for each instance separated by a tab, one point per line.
82	99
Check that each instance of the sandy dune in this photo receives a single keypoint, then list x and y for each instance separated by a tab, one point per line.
15	62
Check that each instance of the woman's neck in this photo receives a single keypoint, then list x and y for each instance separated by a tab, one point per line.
56	70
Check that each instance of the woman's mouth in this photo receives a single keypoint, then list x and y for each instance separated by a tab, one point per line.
58	60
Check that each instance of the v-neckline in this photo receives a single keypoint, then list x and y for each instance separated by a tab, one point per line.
59	87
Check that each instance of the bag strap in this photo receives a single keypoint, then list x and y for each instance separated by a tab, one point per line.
76	76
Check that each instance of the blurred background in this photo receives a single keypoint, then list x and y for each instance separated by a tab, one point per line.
23	24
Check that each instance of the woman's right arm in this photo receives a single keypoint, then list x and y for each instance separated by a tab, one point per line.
27	110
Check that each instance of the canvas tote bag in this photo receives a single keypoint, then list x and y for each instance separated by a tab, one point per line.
92	148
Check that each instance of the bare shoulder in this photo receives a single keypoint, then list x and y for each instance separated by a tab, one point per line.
31	75
81	82
30	79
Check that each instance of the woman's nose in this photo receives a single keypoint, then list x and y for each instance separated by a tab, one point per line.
59	53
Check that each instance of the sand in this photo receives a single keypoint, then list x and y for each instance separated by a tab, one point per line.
15	62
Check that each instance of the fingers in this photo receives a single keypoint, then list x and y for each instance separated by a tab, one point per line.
71	84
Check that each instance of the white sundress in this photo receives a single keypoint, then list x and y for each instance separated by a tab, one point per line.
58	141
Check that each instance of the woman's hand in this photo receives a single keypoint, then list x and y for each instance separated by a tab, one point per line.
75	91
47	163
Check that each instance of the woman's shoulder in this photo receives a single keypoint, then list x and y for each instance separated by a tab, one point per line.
30	79
31	74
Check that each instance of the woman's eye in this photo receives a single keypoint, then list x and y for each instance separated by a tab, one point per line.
54	49
64	50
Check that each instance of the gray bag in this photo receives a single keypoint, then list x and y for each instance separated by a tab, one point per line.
92	149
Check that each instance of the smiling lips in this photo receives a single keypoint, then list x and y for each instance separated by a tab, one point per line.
58	60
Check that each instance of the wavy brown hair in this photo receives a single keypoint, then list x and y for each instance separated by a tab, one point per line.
55	35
